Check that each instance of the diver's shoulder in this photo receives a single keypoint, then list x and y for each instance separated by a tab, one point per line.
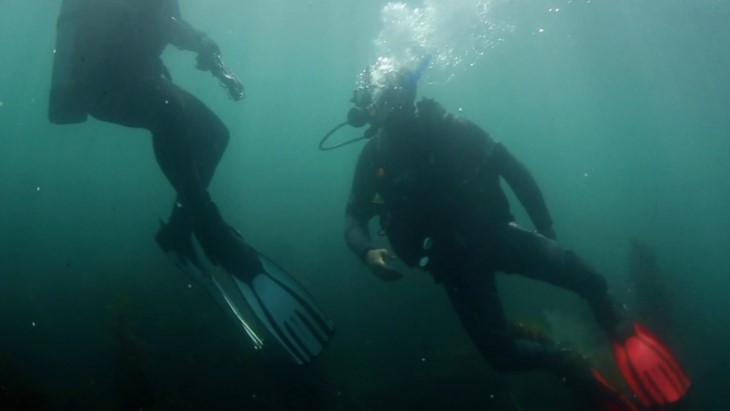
433	113
468	133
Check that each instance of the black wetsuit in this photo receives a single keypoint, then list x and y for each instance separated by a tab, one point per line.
119	77
435	183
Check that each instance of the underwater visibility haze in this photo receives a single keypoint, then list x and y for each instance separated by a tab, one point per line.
619	109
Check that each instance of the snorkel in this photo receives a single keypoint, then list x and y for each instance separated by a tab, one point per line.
363	98
419	71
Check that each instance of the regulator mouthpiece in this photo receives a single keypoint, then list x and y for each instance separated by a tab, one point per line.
357	117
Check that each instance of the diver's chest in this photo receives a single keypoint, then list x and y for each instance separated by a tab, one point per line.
429	180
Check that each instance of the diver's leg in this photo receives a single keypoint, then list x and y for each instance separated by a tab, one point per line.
475	300
189	140
156	105
535	256
474	297
188	148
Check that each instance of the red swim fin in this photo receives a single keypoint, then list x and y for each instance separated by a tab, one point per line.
650	369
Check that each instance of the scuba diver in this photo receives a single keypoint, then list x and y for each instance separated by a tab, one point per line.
107	65
433	179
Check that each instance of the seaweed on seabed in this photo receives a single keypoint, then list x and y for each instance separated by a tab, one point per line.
652	302
531	331
573	356
17	393
544	390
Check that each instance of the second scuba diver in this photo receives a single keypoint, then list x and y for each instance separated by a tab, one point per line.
433	179
107	65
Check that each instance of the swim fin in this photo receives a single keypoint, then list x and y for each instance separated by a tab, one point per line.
650	369
268	304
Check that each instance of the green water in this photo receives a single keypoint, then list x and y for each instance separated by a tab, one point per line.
619	108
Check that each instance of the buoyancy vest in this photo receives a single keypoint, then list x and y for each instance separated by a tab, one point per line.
100	42
435	186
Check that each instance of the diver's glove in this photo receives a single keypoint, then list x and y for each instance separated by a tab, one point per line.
209	59
208	53
376	259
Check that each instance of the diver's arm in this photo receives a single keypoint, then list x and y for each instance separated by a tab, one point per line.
525	188
185	37
515	173
359	209
357	235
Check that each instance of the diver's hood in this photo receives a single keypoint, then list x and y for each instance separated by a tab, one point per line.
376	100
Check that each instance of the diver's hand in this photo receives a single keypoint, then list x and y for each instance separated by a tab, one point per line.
209	59
376	261
208	54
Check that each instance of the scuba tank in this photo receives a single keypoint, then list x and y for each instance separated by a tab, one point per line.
65	106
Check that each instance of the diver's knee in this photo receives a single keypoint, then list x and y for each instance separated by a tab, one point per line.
587	280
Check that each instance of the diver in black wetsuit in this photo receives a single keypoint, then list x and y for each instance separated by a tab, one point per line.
107	64
434	181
